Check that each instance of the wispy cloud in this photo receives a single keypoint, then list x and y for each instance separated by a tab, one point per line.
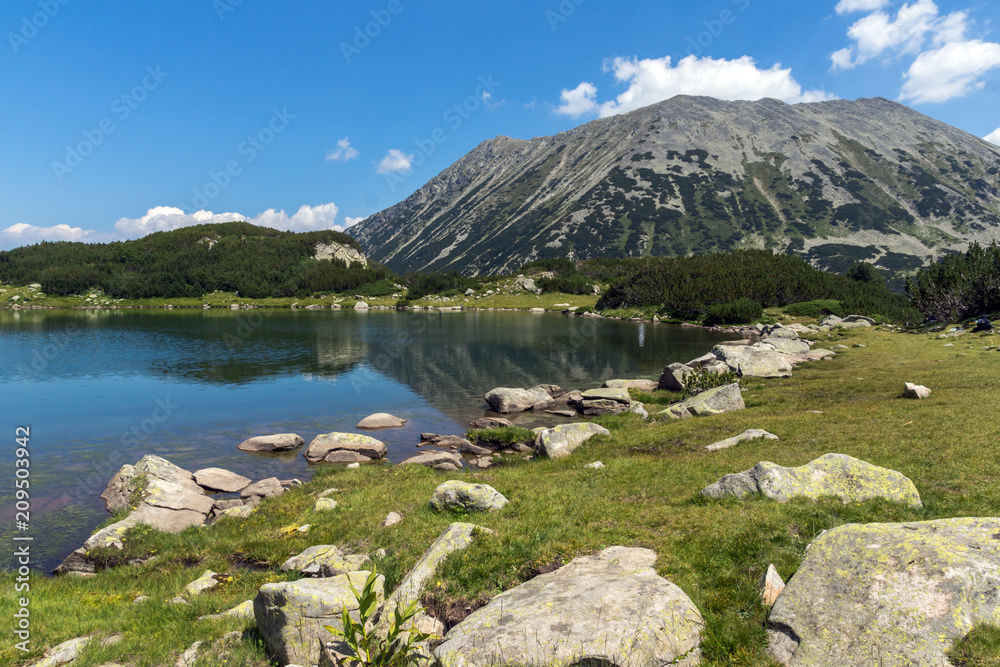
395	161
343	152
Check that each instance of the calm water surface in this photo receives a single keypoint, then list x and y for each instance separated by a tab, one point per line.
102	388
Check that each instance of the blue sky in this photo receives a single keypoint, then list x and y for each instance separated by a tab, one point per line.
124	118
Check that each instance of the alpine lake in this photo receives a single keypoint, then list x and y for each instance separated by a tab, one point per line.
101	388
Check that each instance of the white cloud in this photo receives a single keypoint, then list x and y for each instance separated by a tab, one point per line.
579	101
344	151
25	234
879	33
656	79
954	70
167	218
848	6
395	161
993	137
350	222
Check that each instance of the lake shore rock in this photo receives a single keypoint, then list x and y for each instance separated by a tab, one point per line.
467	497
718	400
281	442
380	420
345	448
610	609
561	441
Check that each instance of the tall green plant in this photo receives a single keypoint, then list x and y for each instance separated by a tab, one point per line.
369	647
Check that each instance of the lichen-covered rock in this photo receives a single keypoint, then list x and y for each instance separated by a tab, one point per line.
619	395
291	615
608	609
455	537
562	440
750	434
380	420
506	400
715	401
491	422
845	477
888	594
325	505
324	560
360	445
754	361
203	583
280	442
454	494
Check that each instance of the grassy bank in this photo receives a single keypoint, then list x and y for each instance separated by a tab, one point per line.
647	495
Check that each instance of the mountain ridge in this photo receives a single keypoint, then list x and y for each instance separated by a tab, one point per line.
836	182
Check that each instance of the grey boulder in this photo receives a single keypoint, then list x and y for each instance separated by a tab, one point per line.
561	441
506	400
750	434
265	488
456	495
888	594
324	560
218	479
280	442
434	459
380	420
291	615
847	478
672	378
754	361
354	445
717	400
608	609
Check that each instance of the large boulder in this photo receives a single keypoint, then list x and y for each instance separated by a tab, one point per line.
594	402
282	442
506	400
265	488
291	615
786	345
456	495
353	445
889	594
380	420
754	361
715	401
219	479
845	477
562	440
608	609
673	377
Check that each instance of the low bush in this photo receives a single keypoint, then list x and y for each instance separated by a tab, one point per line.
741	311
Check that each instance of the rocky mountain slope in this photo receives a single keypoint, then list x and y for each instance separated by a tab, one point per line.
836	182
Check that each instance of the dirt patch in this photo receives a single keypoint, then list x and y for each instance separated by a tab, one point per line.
453	611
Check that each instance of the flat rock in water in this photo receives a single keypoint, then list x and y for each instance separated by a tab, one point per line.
291	616
282	442
608	609
380	420
467	497
491	422
888	594
218	479
754	361
751	434
563	440
844	477
641	385
718	400
618	395
360	445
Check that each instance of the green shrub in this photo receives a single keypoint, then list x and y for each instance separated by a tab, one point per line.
501	438
741	311
702	380
376	289
574	284
819	308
